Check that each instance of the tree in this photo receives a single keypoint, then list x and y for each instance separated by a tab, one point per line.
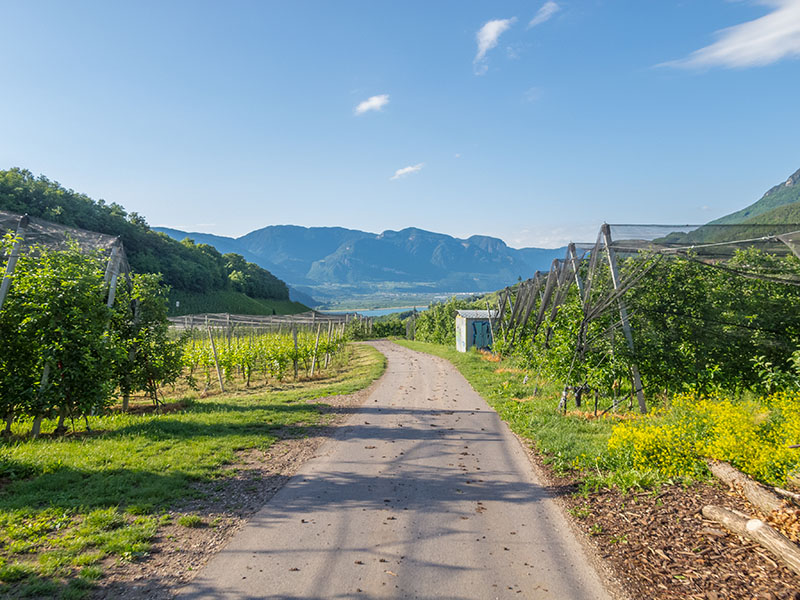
57	354
148	357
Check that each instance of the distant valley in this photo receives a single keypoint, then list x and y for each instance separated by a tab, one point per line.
351	266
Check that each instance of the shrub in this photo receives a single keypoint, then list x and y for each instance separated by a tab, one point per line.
752	434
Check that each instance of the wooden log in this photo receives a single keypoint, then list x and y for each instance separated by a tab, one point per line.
758	531
791	496
793	480
759	496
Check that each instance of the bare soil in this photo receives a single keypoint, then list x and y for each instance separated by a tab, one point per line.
178	552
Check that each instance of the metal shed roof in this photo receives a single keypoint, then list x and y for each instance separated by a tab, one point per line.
477	314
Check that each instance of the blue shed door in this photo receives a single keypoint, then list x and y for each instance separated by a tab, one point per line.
481	334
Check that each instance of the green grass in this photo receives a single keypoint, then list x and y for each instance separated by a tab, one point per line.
66	504
572	443
191	521
230	302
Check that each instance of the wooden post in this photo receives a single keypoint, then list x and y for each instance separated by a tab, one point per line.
316	346
573	257
294	358
112	274
216	358
328	347
491	329
623	315
36	428
13	258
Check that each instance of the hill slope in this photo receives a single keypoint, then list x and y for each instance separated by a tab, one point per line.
192	270
782	194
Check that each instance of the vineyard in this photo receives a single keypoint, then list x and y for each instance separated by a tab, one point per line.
224	349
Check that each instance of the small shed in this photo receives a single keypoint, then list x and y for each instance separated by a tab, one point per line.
474	329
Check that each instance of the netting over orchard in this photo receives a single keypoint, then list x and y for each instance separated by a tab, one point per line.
34	232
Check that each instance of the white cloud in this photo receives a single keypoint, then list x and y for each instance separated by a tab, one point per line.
763	41
406	171
372	103
547	10
532	94
487	37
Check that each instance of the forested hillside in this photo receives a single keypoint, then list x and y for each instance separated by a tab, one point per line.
785	193
190	269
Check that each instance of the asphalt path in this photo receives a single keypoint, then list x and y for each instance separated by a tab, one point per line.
422	493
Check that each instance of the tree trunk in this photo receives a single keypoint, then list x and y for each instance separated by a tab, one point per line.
60	428
759	532
36	428
126	400
9	422
759	496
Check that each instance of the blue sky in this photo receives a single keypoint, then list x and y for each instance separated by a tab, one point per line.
531	121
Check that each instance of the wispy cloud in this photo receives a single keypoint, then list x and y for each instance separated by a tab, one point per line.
487	37
406	171
547	10
532	94
372	103
756	43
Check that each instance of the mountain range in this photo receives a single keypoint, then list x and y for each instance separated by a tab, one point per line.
335	262
327	262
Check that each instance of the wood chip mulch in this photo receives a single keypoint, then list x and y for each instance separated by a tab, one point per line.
658	545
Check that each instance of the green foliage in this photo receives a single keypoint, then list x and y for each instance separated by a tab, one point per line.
695	327
247	354
147	357
437	324
65	351
373	329
58	355
185	266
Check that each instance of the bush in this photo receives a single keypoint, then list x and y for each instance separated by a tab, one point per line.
753	434
57	355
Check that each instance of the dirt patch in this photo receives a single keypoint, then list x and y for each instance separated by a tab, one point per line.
178	552
657	544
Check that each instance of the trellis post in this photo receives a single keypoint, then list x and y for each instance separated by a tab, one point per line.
573	256
112	274
623	315
13	258
316	347
216	358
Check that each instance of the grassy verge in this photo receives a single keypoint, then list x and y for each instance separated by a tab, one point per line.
574	443
230	302
67	504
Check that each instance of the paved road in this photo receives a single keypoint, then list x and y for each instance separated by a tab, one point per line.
424	493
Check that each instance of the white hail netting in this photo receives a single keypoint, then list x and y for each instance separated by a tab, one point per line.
225	320
58	237
706	242
533	300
